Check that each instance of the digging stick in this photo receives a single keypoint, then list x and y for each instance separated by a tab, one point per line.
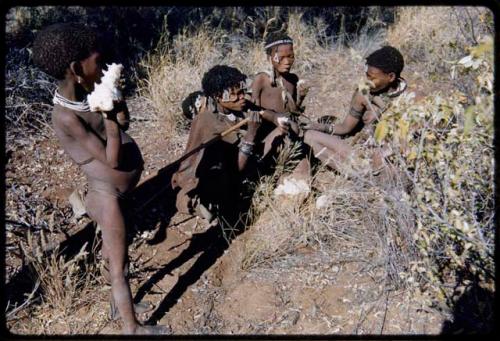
184	157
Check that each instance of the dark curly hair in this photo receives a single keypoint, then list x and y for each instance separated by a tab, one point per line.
272	37
188	105
387	59
219	78
56	46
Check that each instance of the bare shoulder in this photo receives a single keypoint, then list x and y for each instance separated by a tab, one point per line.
261	79
65	121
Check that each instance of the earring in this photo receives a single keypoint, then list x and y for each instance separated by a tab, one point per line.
79	79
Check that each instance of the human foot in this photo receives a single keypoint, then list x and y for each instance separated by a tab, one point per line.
149	330
139	308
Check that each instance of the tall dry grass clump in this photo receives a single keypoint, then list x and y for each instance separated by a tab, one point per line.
177	64
438	40
66	285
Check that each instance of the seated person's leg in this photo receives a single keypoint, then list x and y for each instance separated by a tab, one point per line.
271	141
330	149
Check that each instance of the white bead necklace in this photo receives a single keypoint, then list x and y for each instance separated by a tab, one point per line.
73	105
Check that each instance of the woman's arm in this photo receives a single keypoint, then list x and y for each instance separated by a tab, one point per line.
108	153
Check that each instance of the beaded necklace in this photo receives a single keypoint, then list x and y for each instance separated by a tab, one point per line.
73	105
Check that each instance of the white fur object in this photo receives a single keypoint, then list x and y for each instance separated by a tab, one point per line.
322	201
292	187
101	99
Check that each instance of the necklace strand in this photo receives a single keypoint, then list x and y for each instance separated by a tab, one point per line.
73	105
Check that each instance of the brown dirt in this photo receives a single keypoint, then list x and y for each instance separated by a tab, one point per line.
196	281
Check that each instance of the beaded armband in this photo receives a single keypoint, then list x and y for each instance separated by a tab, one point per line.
246	147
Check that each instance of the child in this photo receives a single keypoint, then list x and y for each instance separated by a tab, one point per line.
193	104
74	55
383	73
209	181
281	91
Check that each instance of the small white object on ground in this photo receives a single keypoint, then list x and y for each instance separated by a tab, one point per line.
292	187
101	99
322	201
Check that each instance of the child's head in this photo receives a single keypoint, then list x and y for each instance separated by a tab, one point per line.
70	51
279	49
384	66
227	85
191	104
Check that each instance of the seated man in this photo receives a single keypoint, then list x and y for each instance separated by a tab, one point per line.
110	159
210	180
383	73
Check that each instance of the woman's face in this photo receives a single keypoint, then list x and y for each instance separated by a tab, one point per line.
235	100
282	58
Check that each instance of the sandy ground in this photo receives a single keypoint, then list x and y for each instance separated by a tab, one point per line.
194	279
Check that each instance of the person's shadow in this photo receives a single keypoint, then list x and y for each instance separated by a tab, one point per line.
211	244
152	206
473	311
207	246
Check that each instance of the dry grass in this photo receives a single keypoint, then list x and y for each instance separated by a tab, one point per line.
437	41
67	288
175	69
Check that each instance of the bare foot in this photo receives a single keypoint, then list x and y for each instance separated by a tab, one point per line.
139	308
149	330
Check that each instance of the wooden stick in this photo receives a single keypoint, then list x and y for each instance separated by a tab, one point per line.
185	156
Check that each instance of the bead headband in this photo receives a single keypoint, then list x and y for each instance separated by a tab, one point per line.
278	42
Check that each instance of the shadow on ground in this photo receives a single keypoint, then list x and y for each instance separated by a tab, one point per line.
473	312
